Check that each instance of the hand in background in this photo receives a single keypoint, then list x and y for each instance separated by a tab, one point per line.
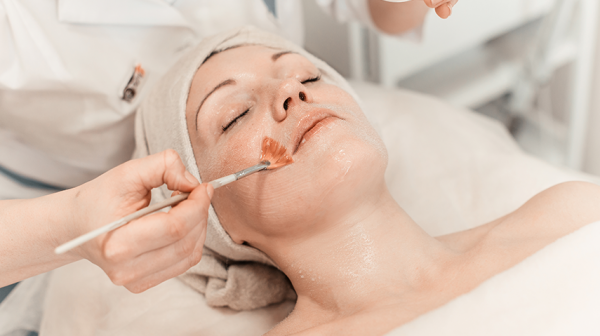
443	8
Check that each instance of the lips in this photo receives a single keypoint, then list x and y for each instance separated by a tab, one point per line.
309	124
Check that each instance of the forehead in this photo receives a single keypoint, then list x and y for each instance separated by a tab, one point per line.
238	62
242	55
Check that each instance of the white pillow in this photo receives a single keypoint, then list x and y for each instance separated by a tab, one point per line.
452	169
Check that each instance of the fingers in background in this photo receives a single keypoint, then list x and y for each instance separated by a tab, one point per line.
445	10
434	3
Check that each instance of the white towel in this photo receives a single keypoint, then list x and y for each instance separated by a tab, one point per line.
229	274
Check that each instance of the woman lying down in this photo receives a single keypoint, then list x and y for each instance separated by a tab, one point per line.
357	262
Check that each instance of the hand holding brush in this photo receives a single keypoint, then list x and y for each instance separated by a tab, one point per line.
273	155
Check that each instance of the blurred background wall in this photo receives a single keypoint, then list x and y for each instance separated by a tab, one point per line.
592	150
534	65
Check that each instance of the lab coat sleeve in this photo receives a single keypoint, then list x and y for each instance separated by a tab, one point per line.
28	58
346	10
11	71
5	42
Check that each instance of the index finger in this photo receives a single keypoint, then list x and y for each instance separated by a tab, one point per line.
434	3
155	170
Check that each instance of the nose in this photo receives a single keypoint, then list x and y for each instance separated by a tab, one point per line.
291	93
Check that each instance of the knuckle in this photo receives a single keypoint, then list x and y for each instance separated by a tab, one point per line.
115	254
144	285
112	275
120	278
177	229
187	247
195	257
135	289
171	156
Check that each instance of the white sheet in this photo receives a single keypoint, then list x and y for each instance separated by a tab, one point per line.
82	301
556	291
449	168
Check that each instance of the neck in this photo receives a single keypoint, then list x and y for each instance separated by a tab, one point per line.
375	255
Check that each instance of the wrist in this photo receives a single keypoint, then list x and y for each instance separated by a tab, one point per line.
67	220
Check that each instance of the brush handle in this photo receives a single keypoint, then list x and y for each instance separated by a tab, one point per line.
118	223
154	207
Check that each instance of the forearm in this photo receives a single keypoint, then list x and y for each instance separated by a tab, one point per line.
139	255
396	18
29	232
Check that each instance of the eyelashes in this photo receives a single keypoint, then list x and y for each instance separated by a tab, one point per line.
312	80
235	120
232	122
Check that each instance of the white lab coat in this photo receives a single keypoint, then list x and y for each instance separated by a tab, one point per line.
64	66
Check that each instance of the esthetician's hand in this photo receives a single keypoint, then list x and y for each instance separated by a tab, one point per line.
151	249
400	16
443	8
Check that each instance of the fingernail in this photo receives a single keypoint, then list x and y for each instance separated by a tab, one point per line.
436	2
210	190
450	5
190	178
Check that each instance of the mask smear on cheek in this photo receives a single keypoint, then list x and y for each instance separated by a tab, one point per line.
275	153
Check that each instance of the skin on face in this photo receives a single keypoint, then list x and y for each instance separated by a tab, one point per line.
334	170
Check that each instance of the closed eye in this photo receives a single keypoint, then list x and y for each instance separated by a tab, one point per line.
234	120
312	80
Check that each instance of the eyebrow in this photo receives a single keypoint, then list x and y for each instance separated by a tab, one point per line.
274	57
222	84
230	81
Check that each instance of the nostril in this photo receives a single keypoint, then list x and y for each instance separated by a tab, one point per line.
302	96
286	103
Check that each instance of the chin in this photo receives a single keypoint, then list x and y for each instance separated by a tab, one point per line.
355	168
336	173
343	170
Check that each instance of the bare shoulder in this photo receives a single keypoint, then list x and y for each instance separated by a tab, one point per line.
547	216
578	203
572	190
556	211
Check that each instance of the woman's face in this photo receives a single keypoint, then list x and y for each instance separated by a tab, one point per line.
244	94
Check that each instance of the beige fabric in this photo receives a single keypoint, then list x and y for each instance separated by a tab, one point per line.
161	124
451	169
82	301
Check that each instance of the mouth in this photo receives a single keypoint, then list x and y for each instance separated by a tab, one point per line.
309	125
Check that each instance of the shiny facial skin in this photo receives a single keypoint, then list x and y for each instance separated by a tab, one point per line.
339	160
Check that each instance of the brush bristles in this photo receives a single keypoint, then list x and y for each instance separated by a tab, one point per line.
275	153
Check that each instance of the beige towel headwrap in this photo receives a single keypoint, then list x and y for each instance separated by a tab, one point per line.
233	275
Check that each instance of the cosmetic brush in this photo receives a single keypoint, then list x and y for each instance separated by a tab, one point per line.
273	155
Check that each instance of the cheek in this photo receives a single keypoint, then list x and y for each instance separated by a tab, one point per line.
348	162
258	204
237	202
333	95
239	152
